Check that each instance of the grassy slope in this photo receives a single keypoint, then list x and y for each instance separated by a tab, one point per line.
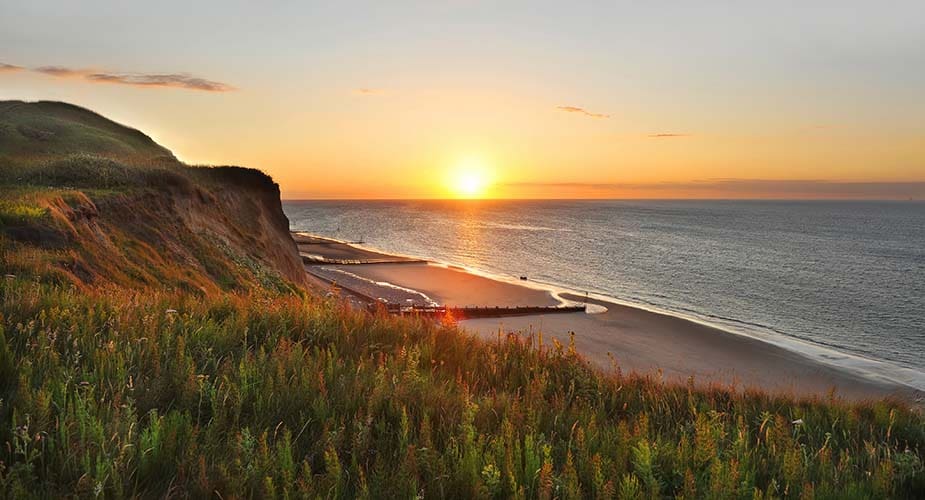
56	128
124	211
104	390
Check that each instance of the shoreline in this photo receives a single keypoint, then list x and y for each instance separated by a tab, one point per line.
642	339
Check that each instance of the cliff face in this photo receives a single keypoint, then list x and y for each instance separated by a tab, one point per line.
126	212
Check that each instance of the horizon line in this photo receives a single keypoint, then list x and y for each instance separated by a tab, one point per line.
901	200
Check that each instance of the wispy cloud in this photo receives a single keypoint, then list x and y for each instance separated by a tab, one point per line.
175	80
582	111
668	135
368	91
60	71
9	68
736	188
178	80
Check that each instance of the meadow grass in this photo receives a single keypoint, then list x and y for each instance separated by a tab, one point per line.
110	393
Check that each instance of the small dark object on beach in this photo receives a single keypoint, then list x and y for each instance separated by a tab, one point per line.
524	278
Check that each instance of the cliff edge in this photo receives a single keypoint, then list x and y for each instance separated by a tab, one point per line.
88	201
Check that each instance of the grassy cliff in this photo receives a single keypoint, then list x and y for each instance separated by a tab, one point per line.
53	129
123	211
155	342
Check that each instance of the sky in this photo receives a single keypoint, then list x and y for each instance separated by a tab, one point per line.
458	98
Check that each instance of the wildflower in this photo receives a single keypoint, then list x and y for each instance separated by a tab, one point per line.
798	421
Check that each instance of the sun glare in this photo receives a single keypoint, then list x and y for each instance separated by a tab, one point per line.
469	179
470	184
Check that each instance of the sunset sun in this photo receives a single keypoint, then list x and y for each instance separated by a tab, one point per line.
470	184
469	179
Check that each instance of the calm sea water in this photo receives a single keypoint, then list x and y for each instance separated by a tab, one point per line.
846	275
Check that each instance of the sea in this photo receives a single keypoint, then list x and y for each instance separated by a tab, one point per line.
841	281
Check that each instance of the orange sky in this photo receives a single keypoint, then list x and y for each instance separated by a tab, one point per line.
423	100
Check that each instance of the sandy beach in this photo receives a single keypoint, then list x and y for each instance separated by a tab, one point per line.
313	247
648	342
639	340
444	285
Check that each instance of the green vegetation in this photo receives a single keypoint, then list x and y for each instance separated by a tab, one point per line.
153	344
58	145
112	393
47	129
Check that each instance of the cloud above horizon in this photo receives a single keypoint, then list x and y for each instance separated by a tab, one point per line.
4	67
745	188
581	111
178	80
668	135
172	80
60	71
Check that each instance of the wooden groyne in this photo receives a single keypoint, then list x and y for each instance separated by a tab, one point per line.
475	312
312	259
323	241
306	238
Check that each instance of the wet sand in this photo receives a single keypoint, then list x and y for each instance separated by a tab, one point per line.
334	250
449	286
638	340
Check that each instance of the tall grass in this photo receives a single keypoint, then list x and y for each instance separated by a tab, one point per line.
111	393
92	171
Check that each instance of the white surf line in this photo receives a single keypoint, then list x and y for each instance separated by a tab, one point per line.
589	307
429	301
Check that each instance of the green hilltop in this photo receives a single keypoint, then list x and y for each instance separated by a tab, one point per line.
157	340
55	144
50	129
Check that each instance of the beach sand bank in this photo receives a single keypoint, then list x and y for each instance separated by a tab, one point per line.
334	250
445	285
638	340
